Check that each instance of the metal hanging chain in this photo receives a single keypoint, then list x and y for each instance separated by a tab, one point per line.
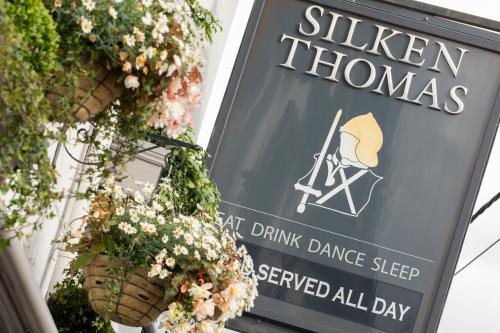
485	207
477	257
474	217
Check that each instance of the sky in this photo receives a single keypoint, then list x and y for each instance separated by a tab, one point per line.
484	8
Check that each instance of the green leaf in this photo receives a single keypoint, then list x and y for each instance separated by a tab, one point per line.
177	280
98	248
82	260
4	243
170	294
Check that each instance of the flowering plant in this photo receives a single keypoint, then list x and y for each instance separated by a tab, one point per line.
151	45
173	109
207	278
153	49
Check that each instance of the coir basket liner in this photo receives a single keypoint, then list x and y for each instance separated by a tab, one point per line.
126	296
93	94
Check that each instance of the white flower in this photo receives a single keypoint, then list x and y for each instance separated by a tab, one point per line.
89	4
139	36
148	188
147	19
118	1
129	40
170	262
169	205
150	213
127	66
171	69
161	24
178	232
203	308
242	251
208	326
131	82
138	197
157	206
165	6
112	12
86	25
122	226
189	239
119	211
117	189
163	55
235	291
184	327
164	239
164	274
202	291
177	60
127	228
52	128
150	52
162	254
147	3
148	228
197	255
209	239
143	210
161	220
155	270
134	216
178	250
130	230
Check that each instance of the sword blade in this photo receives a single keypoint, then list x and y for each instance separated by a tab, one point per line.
301	207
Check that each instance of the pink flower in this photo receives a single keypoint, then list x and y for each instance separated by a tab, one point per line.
203	308
174	87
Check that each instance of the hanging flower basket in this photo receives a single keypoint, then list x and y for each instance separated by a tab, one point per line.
125	296
149	45
171	233
94	92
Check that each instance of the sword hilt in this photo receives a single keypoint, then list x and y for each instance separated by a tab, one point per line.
301	208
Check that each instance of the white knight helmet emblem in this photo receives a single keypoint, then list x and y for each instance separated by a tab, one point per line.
341	179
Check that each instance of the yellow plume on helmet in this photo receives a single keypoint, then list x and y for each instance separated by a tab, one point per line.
366	129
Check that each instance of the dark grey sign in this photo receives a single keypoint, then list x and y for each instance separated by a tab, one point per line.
348	152
335	292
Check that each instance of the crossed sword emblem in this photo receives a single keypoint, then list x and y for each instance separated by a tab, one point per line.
309	190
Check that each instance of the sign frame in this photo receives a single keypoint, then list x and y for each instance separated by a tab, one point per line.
411	15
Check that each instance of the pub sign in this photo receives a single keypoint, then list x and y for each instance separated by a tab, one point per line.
348	151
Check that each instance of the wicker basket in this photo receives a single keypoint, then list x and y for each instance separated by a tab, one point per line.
92	95
130	299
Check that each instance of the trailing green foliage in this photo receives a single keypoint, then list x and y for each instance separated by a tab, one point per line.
38	31
71	310
27	178
194	186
